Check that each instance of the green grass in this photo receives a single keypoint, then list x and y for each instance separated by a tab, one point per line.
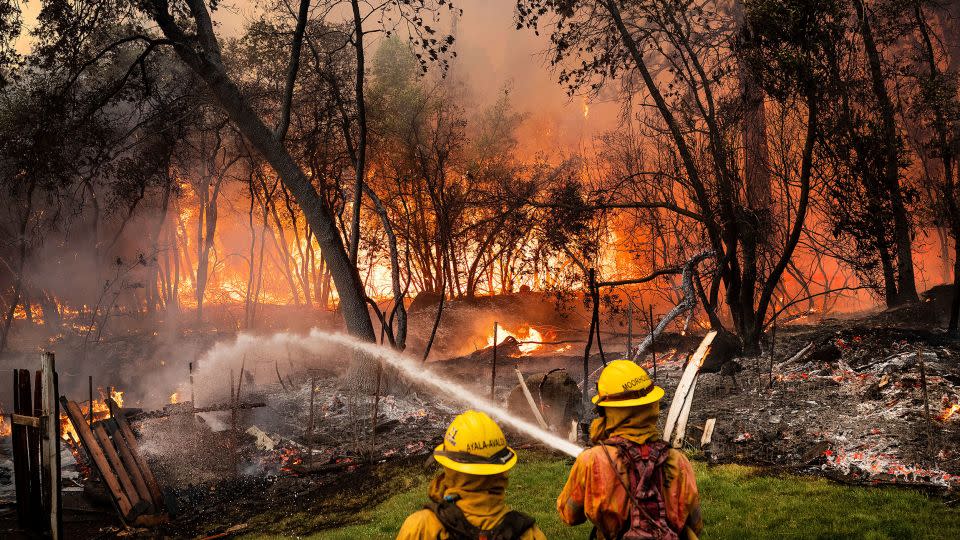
737	503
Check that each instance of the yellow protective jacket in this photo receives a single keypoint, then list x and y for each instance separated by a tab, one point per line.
481	500
593	491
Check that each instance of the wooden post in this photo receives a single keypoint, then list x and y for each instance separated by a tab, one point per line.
493	370
629	330
376	407
130	463
233	426
114	459
37	472
773	351
653	347
313	391
243	367
21	460
192	402
90	403
707	437
50	444
926	400
131	441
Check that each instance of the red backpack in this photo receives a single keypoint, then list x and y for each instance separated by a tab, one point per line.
648	509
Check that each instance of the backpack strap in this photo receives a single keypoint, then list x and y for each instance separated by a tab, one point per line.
513	525
453	520
646	476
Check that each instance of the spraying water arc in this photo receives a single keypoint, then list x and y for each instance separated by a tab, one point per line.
220	358
414	370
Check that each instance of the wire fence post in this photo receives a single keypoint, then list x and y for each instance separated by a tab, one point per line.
493	370
653	346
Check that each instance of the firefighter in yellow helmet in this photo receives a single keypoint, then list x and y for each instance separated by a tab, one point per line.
467	498
630	483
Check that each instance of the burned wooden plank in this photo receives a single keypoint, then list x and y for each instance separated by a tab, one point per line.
139	506
96	454
130	463
21	457
21	420
155	494
530	402
28	403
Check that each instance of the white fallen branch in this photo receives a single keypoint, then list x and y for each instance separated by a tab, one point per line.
708	432
679	413
797	357
533	405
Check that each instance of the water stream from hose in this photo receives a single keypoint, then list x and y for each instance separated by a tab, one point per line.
266	351
415	370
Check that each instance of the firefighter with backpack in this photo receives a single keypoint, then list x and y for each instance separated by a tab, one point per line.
630	483
467	498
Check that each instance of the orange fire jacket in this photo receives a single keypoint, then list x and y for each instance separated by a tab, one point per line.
593	492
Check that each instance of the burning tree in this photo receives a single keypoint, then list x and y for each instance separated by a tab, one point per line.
600	44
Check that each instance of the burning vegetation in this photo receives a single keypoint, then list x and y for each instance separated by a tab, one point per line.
201	214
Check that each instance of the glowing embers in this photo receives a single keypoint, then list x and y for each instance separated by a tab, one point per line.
528	338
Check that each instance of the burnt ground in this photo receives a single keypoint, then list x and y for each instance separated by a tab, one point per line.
850	408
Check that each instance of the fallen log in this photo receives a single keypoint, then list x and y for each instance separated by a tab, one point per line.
322	468
797	357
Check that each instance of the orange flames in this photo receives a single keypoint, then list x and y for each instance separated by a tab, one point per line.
4	425
949	412
289	457
528	337
174	398
100	411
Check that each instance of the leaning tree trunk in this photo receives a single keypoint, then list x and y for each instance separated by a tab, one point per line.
207	64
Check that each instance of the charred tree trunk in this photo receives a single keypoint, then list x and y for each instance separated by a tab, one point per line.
21	263
360	163
906	282
948	190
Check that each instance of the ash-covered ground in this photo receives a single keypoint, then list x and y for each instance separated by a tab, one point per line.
843	398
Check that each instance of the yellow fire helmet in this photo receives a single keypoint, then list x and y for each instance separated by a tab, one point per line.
625	384
474	444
